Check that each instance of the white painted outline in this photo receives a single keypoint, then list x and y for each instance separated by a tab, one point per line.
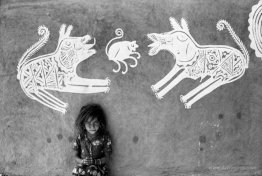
57	70
219	64
255	29
121	51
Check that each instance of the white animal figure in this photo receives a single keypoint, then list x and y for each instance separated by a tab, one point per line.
219	64
57	70
255	28
120	51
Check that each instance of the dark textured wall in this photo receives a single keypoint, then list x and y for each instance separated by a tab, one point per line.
220	135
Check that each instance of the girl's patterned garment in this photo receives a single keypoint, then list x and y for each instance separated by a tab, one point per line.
95	148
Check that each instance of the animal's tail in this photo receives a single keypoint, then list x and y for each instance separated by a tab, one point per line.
119	34
221	25
43	31
157	40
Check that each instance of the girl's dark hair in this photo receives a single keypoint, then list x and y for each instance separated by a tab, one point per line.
90	111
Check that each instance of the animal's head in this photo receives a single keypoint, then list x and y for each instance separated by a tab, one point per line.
133	46
178	41
73	49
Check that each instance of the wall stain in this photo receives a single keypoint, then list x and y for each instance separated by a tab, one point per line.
218	135
13	162
60	136
202	139
239	115
70	139
48	140
135	139
220	116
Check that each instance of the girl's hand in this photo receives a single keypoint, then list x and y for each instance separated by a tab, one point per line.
88	161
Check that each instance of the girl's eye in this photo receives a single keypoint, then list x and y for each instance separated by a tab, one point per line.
96	124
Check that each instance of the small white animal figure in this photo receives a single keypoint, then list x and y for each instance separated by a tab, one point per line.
57	70
220	64
120	51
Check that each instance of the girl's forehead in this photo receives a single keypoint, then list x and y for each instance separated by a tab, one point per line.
92	119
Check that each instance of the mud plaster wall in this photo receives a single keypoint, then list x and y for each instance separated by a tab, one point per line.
220	135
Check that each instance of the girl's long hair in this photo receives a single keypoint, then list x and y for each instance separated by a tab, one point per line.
90	111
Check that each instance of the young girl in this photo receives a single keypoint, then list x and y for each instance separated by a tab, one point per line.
93	144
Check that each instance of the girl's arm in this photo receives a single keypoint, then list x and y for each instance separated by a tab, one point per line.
103	160
78	160
77	148
107	151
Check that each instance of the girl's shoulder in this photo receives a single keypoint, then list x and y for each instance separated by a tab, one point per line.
107	136
80	137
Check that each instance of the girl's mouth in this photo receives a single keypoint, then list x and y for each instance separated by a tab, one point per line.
92	130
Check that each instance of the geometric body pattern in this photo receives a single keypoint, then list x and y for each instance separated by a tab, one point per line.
219	64
57	70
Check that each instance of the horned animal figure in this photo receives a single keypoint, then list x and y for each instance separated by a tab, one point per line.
57	70
218	64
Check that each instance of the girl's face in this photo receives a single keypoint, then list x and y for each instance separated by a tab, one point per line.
92	125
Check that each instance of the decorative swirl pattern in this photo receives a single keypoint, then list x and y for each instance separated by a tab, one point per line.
255	28
119	32
42	30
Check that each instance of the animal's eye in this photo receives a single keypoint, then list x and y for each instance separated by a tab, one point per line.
182	38
83	40
68	43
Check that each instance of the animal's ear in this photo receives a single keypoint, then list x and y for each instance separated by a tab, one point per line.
62	29
62	32
68	31
175	25
184	25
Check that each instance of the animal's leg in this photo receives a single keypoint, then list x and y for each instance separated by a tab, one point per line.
133	58
84	89
78	81
138	54
204	92
124	72
119	67
172	84
38	97
164	80
52	98
190	94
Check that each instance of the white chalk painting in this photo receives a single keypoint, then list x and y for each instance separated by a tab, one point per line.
218	64
255	28
120	51
57	70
